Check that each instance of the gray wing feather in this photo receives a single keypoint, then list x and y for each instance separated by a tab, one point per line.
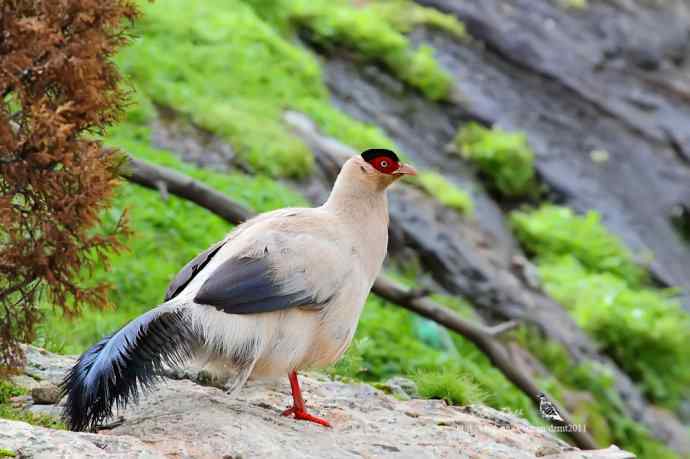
190	270
247	286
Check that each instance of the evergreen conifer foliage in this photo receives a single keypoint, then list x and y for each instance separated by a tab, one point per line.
58	88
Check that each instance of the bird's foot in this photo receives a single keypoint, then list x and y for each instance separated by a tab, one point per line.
302	415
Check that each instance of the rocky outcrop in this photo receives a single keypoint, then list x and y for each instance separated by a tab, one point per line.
28	441
608	79
184	419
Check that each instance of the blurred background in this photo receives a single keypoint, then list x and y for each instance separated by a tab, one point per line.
553	143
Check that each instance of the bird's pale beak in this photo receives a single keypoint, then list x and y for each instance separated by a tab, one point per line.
406	169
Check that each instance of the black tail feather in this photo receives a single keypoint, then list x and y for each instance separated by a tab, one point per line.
117	368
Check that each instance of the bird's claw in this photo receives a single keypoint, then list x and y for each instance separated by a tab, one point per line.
289	411
304	416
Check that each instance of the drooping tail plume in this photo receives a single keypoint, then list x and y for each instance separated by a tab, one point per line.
117	368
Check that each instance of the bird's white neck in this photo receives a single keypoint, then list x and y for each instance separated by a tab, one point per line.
363	214
356	203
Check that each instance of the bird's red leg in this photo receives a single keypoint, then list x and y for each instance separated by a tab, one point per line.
298	408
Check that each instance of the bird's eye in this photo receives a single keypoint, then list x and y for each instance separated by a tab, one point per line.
383	164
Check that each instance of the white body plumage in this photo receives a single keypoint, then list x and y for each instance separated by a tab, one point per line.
339	248
282	292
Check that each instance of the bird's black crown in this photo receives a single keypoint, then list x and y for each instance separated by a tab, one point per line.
372	153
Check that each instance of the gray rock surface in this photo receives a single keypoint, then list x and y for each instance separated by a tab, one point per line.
28	441
602	79
182	419
45	394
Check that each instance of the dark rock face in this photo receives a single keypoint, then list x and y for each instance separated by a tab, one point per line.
548	72
191	143
613	78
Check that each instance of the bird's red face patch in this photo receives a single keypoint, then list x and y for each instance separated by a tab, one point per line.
384	164
384	161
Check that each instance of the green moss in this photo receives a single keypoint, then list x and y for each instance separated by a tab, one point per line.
553	230
225	87
8	411
454	387
224	83
638	439
574	4
42	420
504	157
605	415
9	390
4	452
448	194
643	329
405	15
624	431
242	70
593	274
239	75
369	33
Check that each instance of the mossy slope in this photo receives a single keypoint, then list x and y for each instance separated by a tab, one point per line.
233	73
591	272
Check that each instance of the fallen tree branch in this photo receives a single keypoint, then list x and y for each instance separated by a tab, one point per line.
149	175
503	328
419	292
415	300
163	189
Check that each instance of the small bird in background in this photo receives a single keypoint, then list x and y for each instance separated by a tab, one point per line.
547	409
281	293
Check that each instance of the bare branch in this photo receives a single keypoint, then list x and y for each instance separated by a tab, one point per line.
149	175
419	292
163	189
505	327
